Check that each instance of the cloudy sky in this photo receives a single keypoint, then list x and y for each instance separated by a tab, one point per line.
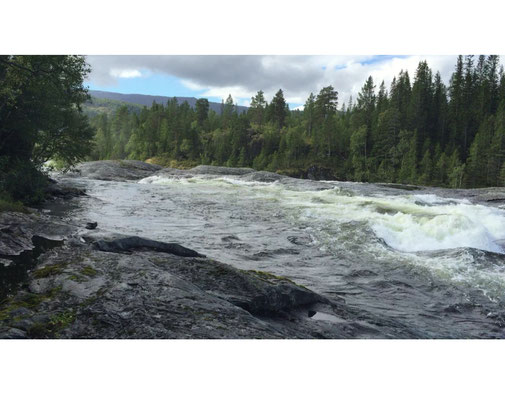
214	77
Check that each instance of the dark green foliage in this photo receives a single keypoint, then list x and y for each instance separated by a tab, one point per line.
97	106
278	110
41	118
22	181
417	133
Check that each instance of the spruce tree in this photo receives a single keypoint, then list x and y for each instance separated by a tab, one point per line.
278	109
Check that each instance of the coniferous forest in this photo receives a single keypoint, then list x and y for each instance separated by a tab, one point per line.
416	131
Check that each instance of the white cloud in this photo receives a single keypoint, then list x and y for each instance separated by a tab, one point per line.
125	73
243	76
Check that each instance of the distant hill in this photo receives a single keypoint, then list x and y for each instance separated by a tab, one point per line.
147	100
108	106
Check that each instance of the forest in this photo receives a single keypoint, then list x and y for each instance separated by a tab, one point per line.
416	131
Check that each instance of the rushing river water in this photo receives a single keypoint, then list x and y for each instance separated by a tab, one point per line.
431	263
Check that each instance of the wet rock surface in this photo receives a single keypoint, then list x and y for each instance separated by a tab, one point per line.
115	170
220	170
132	243
239	173
17	231
77	291
58	191
125	170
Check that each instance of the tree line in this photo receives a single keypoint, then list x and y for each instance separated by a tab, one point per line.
417	130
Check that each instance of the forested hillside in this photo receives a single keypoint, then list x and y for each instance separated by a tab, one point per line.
96	106
418	130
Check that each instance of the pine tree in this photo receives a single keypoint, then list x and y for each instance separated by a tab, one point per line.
326	103
202	111
325	110
278	109
420	106
426	169
455	170
257	109
358	153
407	147
439	112
400	96
456	107
309	113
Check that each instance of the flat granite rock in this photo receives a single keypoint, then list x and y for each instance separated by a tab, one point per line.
115	170
129	287
17	231
80	291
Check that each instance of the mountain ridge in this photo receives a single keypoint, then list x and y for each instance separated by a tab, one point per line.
147	100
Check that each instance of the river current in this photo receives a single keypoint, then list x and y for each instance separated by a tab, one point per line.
421	259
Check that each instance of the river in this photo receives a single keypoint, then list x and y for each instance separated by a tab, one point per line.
427	259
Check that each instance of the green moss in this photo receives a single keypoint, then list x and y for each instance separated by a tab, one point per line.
52	328
88	271
51	270
30	301
62	320
5	312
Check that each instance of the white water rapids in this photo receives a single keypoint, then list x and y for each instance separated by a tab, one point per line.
434	263
339	219
408	223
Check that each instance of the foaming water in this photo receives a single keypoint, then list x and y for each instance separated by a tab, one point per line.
408	223
383	228
432	263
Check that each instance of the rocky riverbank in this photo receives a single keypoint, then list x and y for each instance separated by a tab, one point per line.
98	285
86	283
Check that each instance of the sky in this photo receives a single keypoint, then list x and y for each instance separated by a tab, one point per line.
216	76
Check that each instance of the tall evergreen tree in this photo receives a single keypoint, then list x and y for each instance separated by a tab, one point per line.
309	113
278	109
257	109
